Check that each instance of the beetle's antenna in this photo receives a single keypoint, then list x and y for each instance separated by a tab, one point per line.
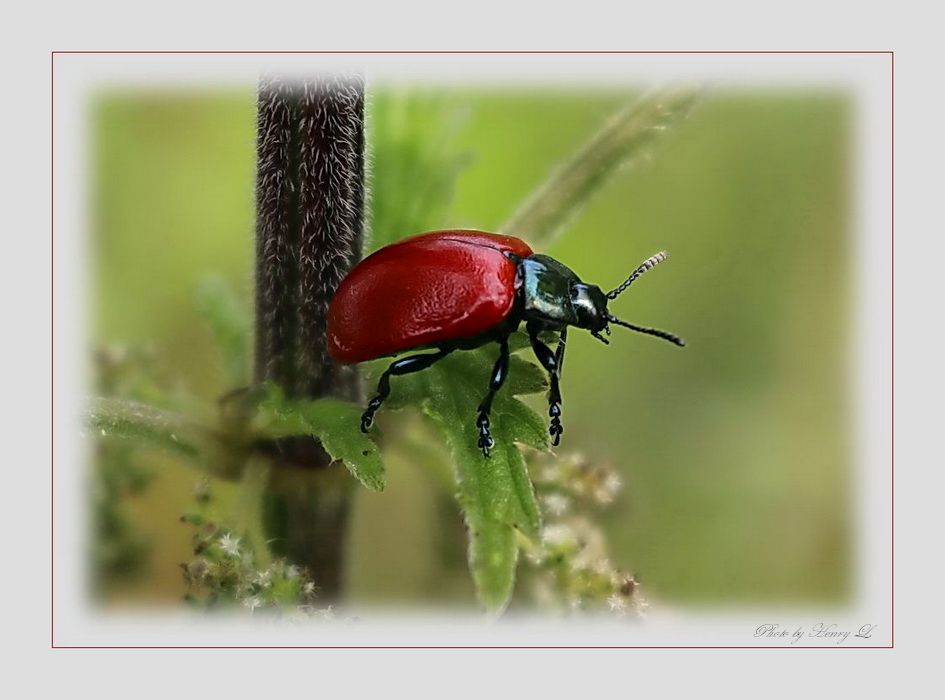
649	331
651	261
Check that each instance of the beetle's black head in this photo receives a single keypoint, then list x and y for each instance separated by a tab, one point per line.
590	306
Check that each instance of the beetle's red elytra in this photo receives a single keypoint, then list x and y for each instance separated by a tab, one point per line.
460	289
422	291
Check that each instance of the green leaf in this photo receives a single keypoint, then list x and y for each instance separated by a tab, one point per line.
334	422
213	451
495	493
229	322
143	424
625	137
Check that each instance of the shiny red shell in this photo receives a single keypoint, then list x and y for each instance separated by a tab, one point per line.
424	291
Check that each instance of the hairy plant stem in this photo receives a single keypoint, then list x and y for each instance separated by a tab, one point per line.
309	221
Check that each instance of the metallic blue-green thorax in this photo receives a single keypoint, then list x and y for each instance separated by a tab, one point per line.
555	296
546	290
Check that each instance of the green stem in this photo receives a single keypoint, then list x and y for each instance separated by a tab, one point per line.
625	138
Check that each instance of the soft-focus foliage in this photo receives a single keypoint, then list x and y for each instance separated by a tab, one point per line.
229	322
226	571
119	549
414	164
734	451
144	425
627	137
571	564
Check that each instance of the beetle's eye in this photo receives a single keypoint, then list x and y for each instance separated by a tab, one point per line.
586	309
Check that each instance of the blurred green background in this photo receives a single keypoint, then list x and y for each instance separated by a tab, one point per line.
734	452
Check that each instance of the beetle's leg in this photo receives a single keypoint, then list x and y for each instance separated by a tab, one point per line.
555	397
499	372
552	362
405	365
559	351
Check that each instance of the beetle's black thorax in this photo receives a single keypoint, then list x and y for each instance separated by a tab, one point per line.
544	292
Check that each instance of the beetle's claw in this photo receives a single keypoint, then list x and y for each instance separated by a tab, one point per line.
367	418
555	429
486	442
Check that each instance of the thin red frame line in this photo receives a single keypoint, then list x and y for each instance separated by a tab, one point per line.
360	646
468	52
892	345
52	347
52	90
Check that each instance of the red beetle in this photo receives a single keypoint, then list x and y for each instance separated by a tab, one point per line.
457	290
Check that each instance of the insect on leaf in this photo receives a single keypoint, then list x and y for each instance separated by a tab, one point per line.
495	493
